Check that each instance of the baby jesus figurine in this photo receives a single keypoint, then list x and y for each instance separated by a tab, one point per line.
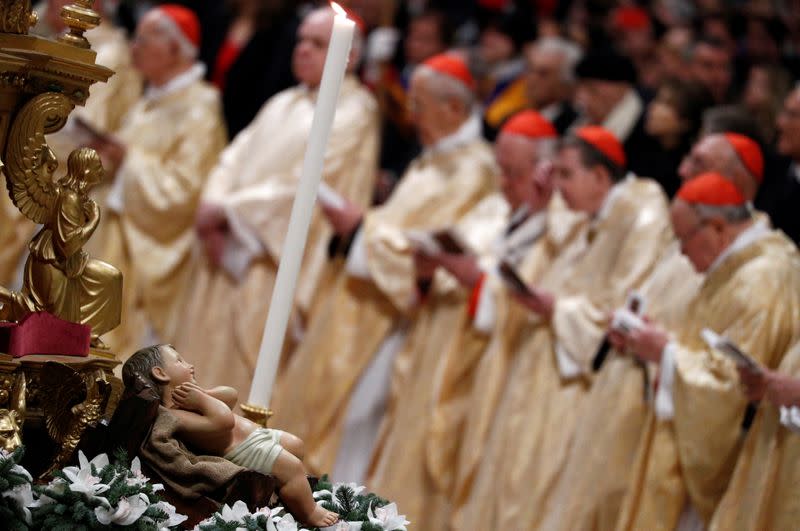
207	423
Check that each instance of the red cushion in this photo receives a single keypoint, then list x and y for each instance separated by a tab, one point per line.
44	333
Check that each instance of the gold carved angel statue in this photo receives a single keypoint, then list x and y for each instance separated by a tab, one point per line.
59	277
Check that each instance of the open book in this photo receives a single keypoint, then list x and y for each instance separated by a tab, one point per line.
443	241
730	349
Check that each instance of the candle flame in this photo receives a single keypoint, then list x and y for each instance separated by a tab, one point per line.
338	9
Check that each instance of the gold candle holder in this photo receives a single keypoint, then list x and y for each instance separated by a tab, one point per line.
258	414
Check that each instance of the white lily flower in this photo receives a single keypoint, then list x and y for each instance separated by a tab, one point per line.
387	518
23	496
128	511
235	513
173	518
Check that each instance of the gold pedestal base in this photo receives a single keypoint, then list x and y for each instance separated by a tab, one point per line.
258	414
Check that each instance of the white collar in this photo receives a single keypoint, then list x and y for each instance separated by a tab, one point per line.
550	112
611	197
468	132
750	235
179	82
622	118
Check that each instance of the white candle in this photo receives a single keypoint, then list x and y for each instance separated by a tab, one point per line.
292	254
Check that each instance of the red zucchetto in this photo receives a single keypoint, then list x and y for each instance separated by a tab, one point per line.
530	124
749	153
711	189
604	141
452	66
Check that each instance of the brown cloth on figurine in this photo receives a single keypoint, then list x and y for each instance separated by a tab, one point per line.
189	475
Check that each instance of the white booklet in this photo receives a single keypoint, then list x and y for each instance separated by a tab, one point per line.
330	197
729	348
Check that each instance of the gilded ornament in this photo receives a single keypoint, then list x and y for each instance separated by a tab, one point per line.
75	402
59	276
79	18
13	416
16	16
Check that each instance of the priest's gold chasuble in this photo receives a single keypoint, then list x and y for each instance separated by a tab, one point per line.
688	451
173	137
762	495
589	491
438	188
255	182
514	451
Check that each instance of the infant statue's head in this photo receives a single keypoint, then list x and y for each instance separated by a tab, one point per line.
159	368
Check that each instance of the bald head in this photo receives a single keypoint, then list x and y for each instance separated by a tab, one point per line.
313	37
439	105
714	153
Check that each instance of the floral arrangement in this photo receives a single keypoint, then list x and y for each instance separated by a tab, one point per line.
97	494
100	494
357	511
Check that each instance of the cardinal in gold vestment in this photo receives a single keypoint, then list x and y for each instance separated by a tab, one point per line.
762	494
162	155
750	294
251	192
379	285
589	491
510	462
400	469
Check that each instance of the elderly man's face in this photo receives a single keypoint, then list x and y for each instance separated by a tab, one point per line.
154	51
707	154
434	116
699	242
789	126
516	157
313	37
544	78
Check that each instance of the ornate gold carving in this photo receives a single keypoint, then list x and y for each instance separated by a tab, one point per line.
79	17
13	416
74	403
59	276
258	414
16	16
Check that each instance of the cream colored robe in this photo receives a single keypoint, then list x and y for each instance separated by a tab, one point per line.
399	470
590	490
752	297
173	140
255	182
762	495
438	188
523	449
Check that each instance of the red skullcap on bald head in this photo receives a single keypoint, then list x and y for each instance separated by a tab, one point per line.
711	189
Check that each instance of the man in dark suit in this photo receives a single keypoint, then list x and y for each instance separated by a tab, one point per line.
606	95
781	194
550	77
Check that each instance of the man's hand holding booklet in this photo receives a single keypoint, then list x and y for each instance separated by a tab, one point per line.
731	350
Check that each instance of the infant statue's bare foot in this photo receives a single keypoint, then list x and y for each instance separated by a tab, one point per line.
322	517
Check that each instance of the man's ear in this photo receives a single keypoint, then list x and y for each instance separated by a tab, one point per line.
159	375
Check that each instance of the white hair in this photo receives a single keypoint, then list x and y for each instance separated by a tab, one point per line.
730	213
445	86
186	48
568	50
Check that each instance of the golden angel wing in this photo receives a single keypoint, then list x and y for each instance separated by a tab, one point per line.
61	389
30	164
